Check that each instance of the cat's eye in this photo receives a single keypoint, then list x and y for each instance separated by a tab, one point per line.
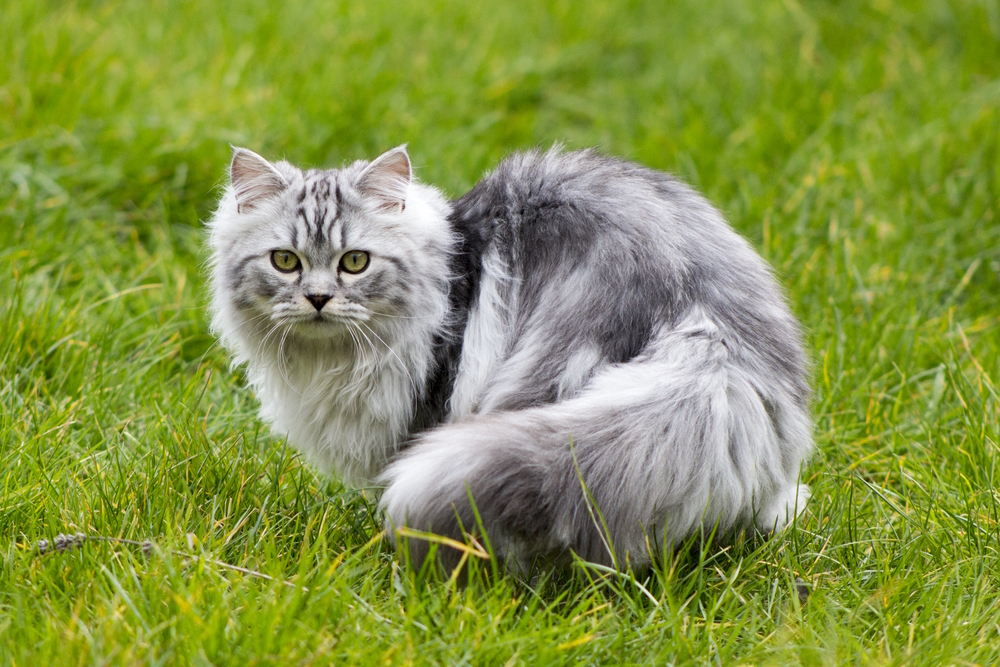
285	261
354	261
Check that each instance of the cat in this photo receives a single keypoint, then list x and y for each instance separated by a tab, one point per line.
579	356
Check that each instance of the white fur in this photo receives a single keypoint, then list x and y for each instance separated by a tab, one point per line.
486	342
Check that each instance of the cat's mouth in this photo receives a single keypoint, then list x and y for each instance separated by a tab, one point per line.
318	321
317	327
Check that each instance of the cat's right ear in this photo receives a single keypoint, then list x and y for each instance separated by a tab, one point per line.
387	179
254	179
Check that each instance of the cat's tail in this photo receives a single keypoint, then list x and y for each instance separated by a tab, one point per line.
677	440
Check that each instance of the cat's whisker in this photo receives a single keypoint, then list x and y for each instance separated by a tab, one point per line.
263	343
371	346
282	367
253	322
240	325
393	353
402	317
358	346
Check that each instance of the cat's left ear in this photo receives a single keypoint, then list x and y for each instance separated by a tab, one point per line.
254	179
387	179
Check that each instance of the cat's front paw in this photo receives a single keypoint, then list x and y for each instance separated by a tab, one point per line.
783	508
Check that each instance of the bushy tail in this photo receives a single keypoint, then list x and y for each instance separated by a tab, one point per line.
648	453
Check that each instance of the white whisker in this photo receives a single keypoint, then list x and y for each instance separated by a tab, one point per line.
282	367
393	352
375	356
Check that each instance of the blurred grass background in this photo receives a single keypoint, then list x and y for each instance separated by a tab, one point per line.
854	143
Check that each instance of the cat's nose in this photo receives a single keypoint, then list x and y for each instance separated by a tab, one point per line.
319	300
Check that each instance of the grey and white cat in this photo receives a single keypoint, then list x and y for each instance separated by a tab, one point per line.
581	345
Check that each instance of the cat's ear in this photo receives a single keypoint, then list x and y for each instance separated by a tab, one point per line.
254	179
386	180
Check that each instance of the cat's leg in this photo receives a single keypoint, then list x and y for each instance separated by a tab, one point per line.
651	451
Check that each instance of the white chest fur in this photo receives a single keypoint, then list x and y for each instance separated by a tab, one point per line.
347	413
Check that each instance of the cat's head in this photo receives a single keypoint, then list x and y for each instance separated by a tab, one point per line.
320	254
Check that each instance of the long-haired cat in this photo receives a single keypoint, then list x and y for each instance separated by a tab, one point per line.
580	350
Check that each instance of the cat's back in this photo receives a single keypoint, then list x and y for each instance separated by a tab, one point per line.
594	249
581	205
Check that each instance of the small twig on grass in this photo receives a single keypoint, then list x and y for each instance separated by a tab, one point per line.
63	542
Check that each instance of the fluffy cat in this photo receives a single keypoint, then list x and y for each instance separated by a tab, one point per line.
580	344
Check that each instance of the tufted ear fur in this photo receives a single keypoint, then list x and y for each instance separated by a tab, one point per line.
254	179
387	179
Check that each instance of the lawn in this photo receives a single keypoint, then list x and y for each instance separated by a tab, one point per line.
856	144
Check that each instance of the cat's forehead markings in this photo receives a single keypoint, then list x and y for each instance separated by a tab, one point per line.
337	220
319	220
300	214
319	205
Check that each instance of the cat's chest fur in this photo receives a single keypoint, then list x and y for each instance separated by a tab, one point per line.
347	409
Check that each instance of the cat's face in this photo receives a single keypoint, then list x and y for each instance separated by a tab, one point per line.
324	254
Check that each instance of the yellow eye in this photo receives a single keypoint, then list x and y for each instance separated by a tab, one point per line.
354	261
284	261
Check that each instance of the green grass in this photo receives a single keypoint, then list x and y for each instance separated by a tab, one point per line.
856	144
